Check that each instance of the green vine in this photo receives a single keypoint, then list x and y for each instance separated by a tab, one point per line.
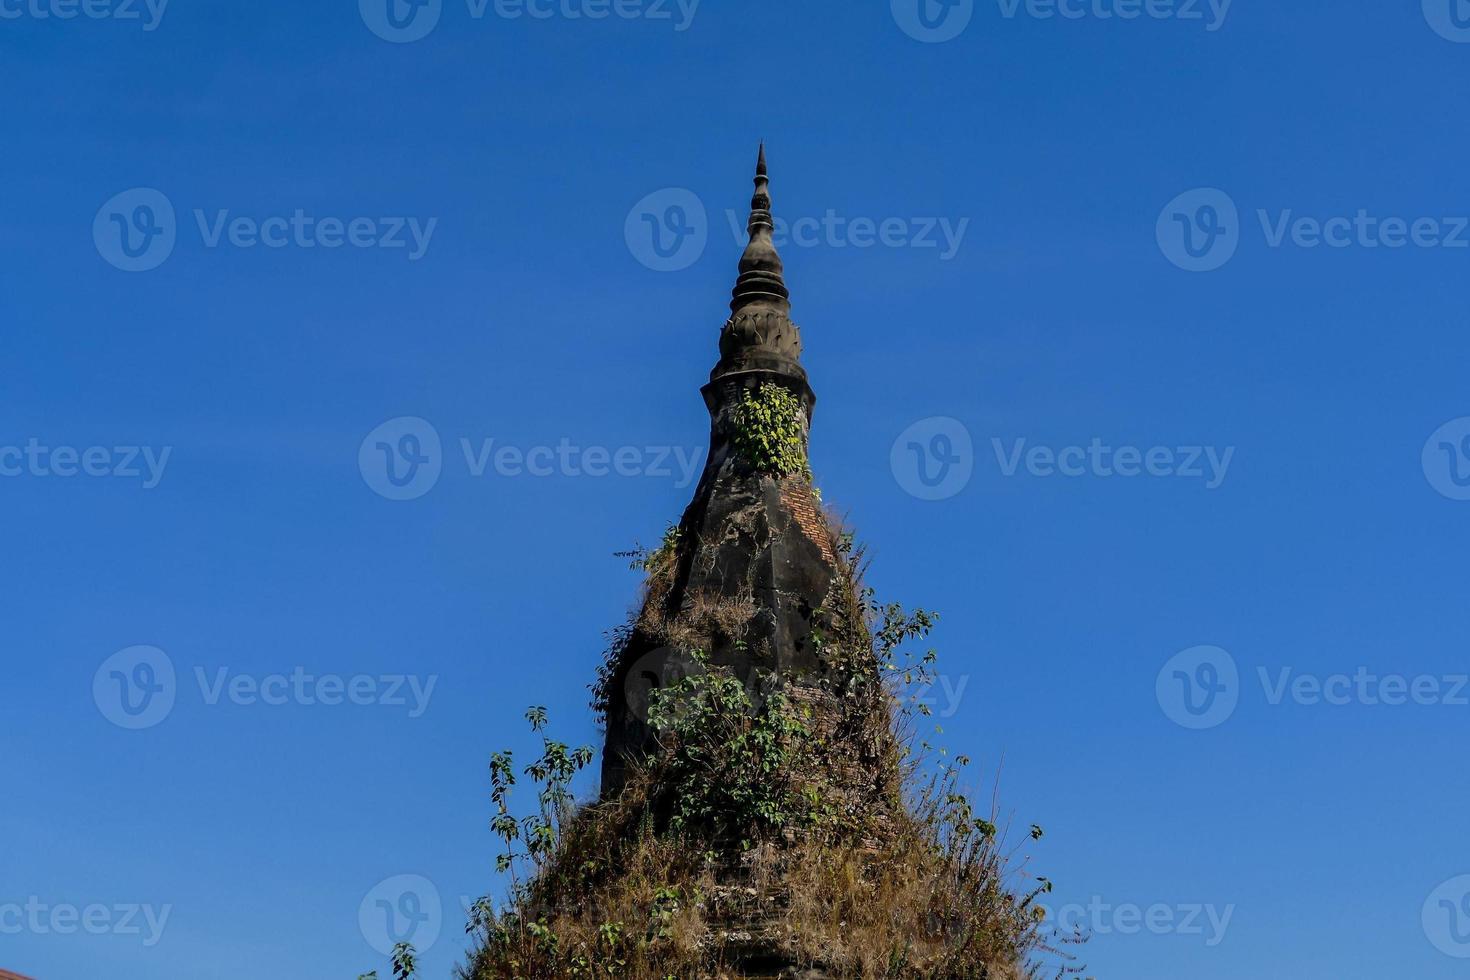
730	754
770	431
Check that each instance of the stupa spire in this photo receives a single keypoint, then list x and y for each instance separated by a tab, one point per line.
762	281
754	564
759	332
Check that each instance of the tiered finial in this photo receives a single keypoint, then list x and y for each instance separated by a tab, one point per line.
761	283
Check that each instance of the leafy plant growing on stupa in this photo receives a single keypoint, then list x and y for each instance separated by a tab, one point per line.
712	723
639	886
770	431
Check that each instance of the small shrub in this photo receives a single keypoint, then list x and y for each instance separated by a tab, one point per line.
729	754
770	431
805	825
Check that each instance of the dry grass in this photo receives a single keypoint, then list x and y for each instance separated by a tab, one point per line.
910	898
704	621
897	879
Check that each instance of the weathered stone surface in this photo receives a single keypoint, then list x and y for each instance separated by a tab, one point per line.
756	558
758	584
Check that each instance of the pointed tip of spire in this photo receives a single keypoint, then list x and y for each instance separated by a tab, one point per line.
760	281
760	336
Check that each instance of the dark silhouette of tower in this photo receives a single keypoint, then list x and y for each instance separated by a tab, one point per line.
763	831
755	559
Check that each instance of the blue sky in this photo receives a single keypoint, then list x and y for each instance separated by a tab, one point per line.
338	235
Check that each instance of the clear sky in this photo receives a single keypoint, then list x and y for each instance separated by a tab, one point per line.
1029	254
